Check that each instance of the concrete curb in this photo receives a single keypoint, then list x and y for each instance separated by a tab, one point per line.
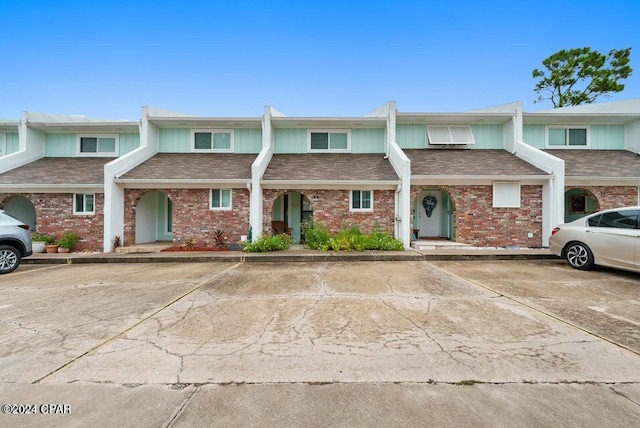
293	256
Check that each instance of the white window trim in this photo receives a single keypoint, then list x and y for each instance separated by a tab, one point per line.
3	144
212	208
496	201
567	146
329	131
75	208
98	154
212	131
360	210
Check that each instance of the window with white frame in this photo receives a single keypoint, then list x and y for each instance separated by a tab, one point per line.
84	203
98	145
567	136
361	200
328	140
506	195
220	199
212	140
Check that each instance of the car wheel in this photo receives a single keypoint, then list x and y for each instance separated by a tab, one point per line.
9	258
579	256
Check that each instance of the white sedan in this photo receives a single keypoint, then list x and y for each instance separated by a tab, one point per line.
608	238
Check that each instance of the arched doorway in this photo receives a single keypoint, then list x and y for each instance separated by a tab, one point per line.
579	203
154	218
293	208
433	214
22	209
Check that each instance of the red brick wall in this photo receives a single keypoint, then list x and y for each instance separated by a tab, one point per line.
476	222
54	215
192	217
611	196
331	209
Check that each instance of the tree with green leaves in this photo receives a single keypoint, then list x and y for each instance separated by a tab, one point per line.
579	76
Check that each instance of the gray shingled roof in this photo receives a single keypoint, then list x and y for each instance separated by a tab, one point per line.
599	163
330	167
468	162
80	170
194	166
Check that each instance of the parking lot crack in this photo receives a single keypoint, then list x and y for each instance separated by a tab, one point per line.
419	327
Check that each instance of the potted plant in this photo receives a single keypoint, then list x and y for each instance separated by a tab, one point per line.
68	242
40	240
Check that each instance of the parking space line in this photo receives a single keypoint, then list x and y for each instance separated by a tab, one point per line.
538	310
24	272
112	338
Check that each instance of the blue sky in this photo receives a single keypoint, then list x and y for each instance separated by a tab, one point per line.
304	58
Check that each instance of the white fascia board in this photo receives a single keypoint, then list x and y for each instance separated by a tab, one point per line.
331	184
52	188
473	118
181	183
576	181
207	122
329	122
426	180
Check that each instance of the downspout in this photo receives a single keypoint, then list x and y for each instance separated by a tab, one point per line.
398	215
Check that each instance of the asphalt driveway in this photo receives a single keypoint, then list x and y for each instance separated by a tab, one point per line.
182	333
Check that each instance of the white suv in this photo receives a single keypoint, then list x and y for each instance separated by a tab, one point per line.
15	242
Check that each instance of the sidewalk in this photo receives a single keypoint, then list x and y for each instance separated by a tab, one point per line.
295	254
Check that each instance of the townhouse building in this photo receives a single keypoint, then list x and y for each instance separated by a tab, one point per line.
490	177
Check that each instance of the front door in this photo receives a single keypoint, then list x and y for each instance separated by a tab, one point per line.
430	207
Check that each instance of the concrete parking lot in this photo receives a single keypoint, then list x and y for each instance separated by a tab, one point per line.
466	343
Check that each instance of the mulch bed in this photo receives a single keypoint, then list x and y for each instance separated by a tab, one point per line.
176	249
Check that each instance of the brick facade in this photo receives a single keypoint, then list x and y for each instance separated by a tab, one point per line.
192	217
54	216
609	197
331	209
477	222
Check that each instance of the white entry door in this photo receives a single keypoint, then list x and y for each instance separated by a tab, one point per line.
430	219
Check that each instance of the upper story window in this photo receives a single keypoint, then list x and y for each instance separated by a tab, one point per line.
98	145
328	140
212	140
565	136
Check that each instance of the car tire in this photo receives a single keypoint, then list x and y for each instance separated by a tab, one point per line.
579	256
9	259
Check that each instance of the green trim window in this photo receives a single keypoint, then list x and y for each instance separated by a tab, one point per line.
361	200
98	145
3	144
563	136
84	203
220	199
327	140
212	140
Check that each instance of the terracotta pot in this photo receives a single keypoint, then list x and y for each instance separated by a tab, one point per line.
51	248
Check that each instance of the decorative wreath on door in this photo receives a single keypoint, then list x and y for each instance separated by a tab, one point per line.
429	203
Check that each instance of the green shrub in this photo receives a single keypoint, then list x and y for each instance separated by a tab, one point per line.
316	236
69	240
43	237
267	243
